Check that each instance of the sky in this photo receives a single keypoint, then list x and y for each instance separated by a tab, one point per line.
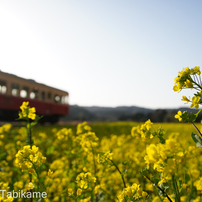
104	53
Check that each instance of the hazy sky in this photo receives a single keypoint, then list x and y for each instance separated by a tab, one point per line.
103	52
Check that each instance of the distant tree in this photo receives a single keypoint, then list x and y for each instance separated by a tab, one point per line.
158	115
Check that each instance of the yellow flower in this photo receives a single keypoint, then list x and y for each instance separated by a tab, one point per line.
144	194
32	114
198	184
9	199
50	173
196	70
70	191
195	102
188	84
105	157
30	185
184	98
26	157
79	191
178	115
148	124
27	112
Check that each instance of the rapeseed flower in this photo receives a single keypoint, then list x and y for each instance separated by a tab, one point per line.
195	102
27	112
30	185
27	157
179	116
184	98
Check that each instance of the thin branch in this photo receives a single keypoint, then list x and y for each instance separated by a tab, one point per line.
159	189
196	129
119	172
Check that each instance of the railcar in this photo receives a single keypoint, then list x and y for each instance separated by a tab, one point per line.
49	102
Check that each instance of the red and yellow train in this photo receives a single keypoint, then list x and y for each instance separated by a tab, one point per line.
50	102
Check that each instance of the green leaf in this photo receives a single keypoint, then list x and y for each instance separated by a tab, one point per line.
193	117
160	133
154	180
3	155
162	140
125	163
50	150
197	140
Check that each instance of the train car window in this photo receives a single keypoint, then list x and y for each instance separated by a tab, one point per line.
14	92
34	94
14	89
42	95
3	89
57	98
24	92
49	95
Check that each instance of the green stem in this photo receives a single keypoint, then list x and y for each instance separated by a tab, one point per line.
30	134
177	195
196	83
157	193
159	188
30	142
196	129
95	170
119	172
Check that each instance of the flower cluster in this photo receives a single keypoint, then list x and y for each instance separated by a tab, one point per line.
84	180
27	112
132	193
4	130
105	157
83	128
64	133
4	190
184	79
28	158
143	130
190	78
87	140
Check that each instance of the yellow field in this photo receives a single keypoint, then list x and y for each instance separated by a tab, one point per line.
122	161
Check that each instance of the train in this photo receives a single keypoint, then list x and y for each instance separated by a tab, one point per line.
50	103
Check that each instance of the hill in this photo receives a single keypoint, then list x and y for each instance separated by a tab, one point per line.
122	113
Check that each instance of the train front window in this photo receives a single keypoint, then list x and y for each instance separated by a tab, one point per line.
64	99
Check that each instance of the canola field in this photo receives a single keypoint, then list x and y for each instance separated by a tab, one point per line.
122	161
105	162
